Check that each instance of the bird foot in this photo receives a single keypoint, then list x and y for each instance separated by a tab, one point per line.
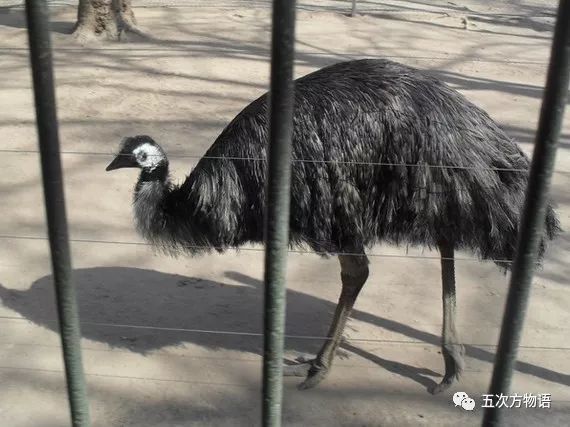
454	365
312	369
443	385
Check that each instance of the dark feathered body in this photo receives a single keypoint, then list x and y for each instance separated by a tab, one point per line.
346	117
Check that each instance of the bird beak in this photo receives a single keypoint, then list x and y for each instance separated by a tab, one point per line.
122	161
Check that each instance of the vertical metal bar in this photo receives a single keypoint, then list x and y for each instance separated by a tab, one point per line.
353	10
278	195
532	223
42	73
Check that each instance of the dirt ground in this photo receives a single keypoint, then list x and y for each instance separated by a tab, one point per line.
211	61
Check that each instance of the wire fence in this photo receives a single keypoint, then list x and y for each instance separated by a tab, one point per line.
277	249
253	249
330	5
295	160
260	334
471	7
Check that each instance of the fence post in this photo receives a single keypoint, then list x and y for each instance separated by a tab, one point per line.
353	9
532	223
42	73
278	195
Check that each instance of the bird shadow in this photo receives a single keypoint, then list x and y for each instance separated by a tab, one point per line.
170	309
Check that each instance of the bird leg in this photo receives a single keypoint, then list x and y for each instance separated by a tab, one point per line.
354	272
451	349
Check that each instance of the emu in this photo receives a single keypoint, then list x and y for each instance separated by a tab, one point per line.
382	153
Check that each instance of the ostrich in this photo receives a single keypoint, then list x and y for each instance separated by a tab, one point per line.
382	153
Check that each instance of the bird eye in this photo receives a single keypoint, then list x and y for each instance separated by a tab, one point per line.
142	157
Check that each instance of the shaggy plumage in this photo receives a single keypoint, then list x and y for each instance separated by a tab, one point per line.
347	116
382	152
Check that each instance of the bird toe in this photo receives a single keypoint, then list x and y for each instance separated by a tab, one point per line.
440	387
313	379
297	370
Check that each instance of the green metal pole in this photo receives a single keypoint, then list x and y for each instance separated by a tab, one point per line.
532	223
277	206
42	73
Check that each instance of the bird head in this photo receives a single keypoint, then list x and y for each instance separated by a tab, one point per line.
139	151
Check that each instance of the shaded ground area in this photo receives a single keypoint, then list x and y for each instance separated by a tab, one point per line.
176	342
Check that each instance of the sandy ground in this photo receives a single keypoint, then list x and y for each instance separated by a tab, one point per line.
213	60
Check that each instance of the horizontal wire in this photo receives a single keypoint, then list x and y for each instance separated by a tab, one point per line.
294	251
127	377
126	350
260	159
191	382
135	51
428	123
294	160
258	334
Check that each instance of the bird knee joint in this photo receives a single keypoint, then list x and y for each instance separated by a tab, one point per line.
454	349
354	279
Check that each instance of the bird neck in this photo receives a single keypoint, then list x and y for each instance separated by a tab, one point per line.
156	174
151	191
205	212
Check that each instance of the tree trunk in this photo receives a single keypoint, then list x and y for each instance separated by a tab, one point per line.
108	19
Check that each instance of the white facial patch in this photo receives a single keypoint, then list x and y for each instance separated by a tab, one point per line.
148	156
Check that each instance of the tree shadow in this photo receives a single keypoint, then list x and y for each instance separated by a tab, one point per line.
528	135
171	309
142	297
538	19
522	23
15	17
546	24
463	82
